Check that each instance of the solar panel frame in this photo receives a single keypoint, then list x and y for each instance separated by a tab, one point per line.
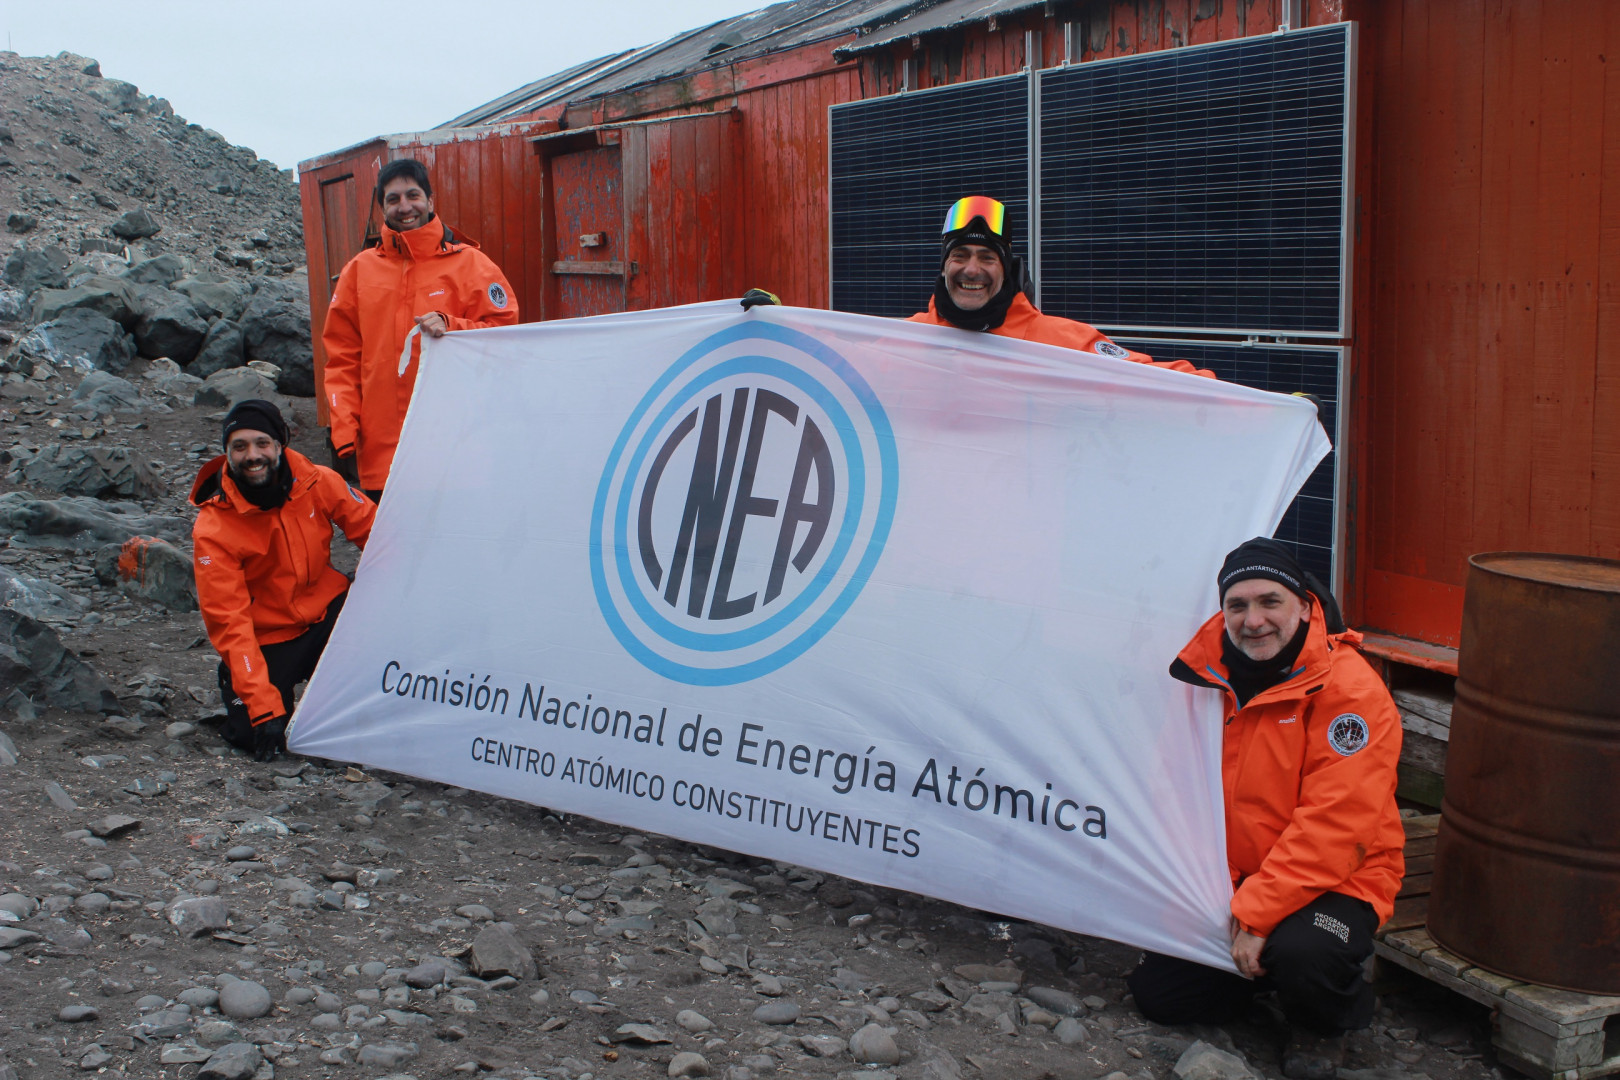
1333	45
895	278
1314	526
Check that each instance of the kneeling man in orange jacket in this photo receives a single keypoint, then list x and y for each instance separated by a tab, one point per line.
262	544
1313	835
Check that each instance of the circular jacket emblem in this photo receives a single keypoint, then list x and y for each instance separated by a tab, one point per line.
1348	733
743	506
1108	348
497	295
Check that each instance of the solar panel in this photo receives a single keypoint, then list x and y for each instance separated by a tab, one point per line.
1200	188
1310	527
898	163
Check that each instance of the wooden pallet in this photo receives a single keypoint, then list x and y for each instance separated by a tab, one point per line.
1544	1033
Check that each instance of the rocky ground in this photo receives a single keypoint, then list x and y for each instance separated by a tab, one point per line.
168	908
171	908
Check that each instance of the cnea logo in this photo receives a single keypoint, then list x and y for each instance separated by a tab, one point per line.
743	506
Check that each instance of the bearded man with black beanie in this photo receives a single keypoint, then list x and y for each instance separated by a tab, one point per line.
981	288
1313	835
262	546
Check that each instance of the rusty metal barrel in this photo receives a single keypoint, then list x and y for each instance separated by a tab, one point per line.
1527	862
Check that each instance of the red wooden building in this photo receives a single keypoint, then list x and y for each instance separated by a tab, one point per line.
1483	388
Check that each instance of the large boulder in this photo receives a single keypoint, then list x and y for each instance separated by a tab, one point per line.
215	296
38	598
223	181
223	389
107	393
33	663
275	328
221	349
96	264
13	304
163	270
81	524
108	296
150	568
31	270
116	95
169	325
79	338
135	224
98	471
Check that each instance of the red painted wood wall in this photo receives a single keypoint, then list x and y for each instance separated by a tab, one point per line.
1487	356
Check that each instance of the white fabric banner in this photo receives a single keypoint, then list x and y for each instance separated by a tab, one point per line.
883	599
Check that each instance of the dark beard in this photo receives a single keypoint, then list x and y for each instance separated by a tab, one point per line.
272	492
245	484
988	317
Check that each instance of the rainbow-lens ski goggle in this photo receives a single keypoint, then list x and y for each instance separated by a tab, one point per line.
963	211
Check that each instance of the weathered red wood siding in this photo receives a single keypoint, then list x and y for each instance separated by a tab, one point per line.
1486	352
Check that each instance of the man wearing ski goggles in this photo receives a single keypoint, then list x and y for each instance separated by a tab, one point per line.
981	287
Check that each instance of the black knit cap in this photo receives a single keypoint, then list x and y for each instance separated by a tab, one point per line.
1262	558
255	414
1265	558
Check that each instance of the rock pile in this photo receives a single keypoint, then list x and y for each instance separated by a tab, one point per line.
135	234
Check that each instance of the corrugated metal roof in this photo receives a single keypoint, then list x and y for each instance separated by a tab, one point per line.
936	18
778	27
527	98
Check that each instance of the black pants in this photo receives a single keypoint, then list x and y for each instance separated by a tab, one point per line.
1313	959
289	663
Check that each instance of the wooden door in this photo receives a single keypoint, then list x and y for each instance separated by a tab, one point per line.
587	212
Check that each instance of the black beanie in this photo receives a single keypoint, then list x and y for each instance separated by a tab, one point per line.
1263	557
255	415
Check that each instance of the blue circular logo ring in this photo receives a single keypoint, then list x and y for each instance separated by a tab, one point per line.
781	621
849	439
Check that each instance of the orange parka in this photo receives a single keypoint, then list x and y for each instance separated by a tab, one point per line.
1308	768
379	296
1027	324
265	576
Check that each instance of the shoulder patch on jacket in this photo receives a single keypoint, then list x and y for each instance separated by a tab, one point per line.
497	295
1108	348
1347	734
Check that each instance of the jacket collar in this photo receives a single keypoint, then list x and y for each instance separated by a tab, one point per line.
434	238
214	483
1020	312
1200	663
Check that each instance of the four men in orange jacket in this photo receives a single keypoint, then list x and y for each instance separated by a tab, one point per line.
421	274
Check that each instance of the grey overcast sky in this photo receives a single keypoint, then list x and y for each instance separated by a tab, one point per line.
295	78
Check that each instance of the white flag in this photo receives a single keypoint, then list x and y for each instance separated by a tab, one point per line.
884	599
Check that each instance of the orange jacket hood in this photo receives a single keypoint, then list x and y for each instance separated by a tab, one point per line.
1308	774
379	296
265	576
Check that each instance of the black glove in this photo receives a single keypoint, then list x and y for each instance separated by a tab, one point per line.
345	465
1312	398
269	739
755	297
